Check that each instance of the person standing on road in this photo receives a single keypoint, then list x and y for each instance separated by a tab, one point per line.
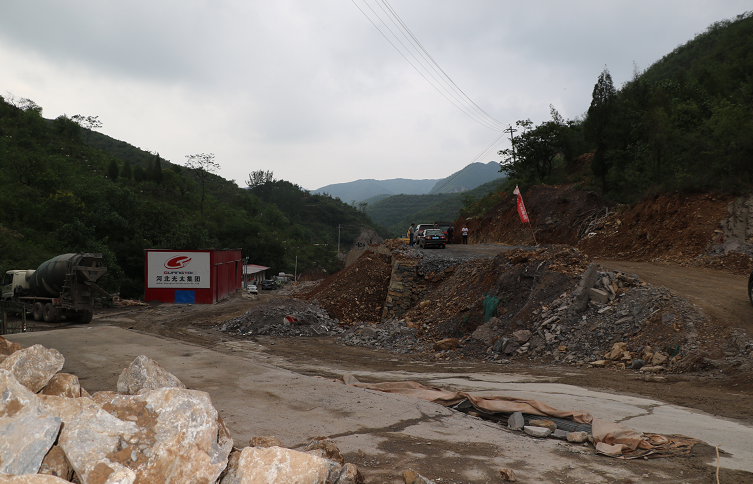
411	231
464	231
450	233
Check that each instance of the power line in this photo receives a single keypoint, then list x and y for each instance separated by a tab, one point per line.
461	100
436	66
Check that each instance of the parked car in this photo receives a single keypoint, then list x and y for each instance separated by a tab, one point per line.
252	289
750	288
443	226
268	284
420	230
432	238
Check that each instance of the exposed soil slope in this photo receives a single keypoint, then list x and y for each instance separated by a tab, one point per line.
558	214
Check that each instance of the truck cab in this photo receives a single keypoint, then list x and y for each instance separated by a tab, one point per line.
16	281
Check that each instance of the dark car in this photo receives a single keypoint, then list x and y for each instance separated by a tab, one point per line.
432	238
750	288
268	284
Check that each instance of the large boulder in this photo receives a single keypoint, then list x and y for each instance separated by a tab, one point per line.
34	366
277	465
25	441
8	347
55	463
33	479
27	432
146	374
580	295
63	385
90	440
178	436
488	331
326	448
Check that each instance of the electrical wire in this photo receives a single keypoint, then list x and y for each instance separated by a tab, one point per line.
436	67
460	101
448	87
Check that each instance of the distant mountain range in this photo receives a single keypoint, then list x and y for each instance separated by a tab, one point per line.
468	178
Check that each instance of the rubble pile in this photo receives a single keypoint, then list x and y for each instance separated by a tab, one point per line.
552	304
283	317
152	430
393	335
454	305
638	315
358	292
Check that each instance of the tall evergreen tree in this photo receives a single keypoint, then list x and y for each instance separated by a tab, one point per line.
112	170
599	124
127	172
157	170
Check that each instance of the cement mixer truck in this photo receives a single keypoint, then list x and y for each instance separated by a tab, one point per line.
63	286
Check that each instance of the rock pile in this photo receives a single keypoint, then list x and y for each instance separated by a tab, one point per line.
153	430
553	305
392	335
283	317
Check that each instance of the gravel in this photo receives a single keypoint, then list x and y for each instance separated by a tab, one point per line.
283	317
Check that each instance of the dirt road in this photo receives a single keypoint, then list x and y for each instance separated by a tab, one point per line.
384	434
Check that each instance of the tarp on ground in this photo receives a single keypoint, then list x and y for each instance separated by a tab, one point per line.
609	438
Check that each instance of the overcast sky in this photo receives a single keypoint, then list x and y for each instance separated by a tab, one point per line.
311	90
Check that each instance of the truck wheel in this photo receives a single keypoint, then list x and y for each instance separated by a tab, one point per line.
86	316
50	313
37	311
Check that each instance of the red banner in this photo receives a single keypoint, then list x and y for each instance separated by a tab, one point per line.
521	207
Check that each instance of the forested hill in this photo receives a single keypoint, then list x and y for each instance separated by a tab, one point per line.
60	195
686	123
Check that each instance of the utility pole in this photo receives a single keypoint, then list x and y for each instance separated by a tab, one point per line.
511	130
338	238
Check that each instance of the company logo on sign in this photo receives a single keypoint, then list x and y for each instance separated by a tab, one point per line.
178	262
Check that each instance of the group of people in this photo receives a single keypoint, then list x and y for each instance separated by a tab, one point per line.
450	233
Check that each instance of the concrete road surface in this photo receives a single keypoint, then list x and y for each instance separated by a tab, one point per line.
385	434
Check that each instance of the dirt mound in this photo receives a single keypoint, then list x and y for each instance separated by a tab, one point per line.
313	274
703	230
559	215
283	317
676	228
356	293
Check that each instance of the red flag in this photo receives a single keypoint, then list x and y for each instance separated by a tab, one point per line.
521	207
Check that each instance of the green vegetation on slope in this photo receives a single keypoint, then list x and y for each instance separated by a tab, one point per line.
684	124
60	195
399	211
